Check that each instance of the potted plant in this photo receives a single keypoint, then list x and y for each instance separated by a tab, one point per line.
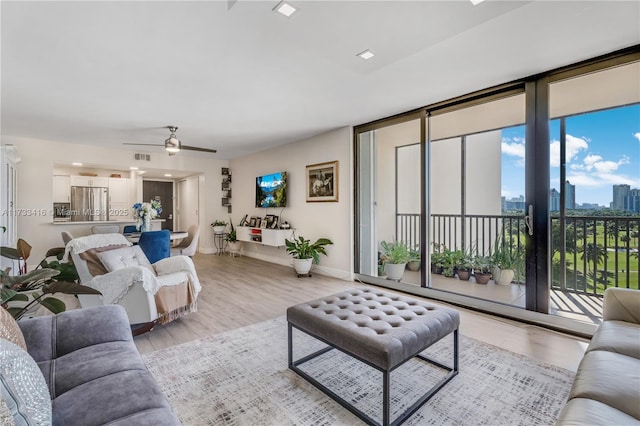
232	240
219	226
506	260
465	266
415	263
482	269
451	260
395	256
305	253
437	258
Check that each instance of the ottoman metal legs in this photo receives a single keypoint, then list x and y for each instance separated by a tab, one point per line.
386	376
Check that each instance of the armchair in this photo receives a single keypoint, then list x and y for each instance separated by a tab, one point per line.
163	291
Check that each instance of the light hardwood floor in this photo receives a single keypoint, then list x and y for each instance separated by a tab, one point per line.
239	291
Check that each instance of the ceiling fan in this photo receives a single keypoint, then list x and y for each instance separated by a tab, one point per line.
173	145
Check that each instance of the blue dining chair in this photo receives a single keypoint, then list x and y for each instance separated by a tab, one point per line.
129	229
156	245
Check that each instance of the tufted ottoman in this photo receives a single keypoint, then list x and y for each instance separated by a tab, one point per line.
381	329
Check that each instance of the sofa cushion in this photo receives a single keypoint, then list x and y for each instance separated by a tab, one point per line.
10	330
90	363
610	378
617	336
124	257
582	412
121	396
23	387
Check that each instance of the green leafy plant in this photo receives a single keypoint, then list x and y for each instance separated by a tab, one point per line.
302	248
35	287
482	264
232	236
395	252
219	223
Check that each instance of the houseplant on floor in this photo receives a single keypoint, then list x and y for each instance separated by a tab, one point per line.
395	256
232	239
304	253
482	269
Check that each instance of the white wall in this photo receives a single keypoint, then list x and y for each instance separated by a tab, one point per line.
35	173
333	220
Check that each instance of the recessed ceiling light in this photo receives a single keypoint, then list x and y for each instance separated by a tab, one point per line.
284	8
133	168
367	54
76	164
475	2
167	175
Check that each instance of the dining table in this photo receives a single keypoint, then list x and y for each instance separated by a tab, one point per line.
134	237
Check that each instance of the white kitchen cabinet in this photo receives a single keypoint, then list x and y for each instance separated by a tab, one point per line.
119	190
102	182
61	189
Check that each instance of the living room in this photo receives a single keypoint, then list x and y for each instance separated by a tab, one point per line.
264	116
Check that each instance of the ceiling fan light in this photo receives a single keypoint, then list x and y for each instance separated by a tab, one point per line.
172	144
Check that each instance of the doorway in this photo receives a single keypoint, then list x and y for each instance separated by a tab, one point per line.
163	192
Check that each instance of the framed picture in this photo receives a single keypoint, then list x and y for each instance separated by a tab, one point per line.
252	222
263	224
274	222
322	182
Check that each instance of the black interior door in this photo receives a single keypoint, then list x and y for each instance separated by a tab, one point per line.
163	192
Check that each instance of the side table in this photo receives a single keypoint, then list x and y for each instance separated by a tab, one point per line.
220	242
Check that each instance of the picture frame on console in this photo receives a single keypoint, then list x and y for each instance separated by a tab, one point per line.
252	222
263	224
322	182
274	222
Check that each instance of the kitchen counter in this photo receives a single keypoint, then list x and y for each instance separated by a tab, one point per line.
105	222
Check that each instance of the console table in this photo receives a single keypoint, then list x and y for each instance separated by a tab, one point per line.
264	236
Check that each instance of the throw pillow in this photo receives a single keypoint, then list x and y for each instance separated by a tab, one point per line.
123	258
10	330
23	387
94	265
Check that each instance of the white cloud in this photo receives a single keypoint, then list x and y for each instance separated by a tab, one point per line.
590	159
637	136
514	149
574	146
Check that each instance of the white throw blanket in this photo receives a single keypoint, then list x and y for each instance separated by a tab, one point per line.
176	264
82	244
115	285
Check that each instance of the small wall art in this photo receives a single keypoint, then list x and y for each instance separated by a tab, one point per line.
322	182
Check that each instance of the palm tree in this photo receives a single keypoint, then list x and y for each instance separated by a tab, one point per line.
593	253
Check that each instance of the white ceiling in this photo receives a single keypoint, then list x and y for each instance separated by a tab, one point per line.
244	78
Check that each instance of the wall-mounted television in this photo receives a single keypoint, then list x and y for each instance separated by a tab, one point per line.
271	190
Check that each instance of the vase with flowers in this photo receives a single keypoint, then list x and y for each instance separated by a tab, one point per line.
144	212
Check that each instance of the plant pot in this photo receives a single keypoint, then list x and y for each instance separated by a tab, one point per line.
495	272
394	271
414	265
482	277
464	275
302	266
435	269
219	229
234	246
506	276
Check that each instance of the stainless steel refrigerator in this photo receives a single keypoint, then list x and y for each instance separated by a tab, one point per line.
89	203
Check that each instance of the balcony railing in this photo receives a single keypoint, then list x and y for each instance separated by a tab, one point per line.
598	251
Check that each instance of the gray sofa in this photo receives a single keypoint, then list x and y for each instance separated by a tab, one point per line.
606	390
93	369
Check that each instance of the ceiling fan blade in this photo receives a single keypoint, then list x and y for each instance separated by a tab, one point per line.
195	148
143	144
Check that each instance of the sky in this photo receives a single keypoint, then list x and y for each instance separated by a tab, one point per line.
603	149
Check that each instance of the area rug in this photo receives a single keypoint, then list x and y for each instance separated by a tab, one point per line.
241	378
